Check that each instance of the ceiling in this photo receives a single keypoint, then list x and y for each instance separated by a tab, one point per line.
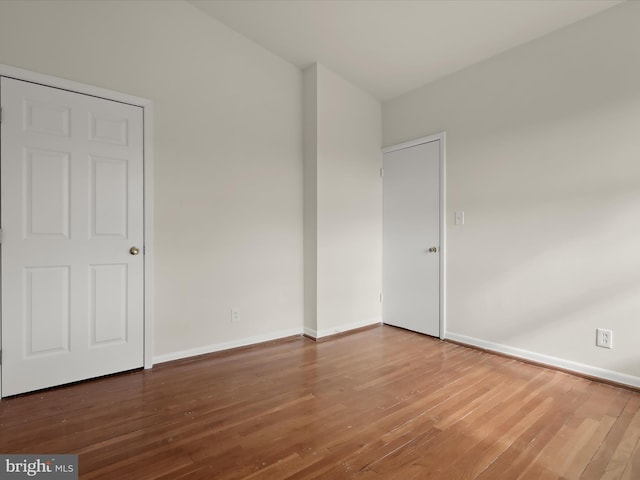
390	47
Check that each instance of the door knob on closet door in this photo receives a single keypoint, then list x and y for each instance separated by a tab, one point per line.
134	250
433	249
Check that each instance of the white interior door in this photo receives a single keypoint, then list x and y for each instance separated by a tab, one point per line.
71	209
411	238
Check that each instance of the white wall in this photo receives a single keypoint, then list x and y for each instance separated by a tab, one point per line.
228	156
543	156
343	158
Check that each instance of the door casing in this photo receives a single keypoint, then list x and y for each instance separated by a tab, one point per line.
147	108
443	220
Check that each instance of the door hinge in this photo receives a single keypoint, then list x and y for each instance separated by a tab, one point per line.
381	297
1	236
382	172
0	114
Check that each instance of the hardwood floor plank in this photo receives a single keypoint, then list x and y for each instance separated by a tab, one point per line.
622	457
598	464
633	466
378	404
523	453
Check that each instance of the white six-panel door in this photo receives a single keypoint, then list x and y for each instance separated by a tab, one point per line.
71	210
411	238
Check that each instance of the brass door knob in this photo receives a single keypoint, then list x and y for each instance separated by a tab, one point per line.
433	249
134	250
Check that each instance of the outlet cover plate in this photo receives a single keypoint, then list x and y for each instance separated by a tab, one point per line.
604	338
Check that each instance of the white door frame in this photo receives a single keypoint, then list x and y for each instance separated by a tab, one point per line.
443	218
147	115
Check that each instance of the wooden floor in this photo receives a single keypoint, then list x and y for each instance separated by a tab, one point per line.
377	404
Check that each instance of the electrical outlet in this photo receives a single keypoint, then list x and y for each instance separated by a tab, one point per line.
604	338
235	314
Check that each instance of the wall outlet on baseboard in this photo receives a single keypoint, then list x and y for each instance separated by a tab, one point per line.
604	338
235	314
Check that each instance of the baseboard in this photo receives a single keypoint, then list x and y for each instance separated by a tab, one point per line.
547	360
327	332
243	342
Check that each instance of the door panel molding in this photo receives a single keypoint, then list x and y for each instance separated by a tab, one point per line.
442	137
109	132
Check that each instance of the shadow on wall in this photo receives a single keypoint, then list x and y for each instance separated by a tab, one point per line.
566	263
549	250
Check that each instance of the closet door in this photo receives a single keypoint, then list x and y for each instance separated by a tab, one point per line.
72	222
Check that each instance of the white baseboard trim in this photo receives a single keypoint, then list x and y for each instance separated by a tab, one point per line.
341	328
556	362
218	347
